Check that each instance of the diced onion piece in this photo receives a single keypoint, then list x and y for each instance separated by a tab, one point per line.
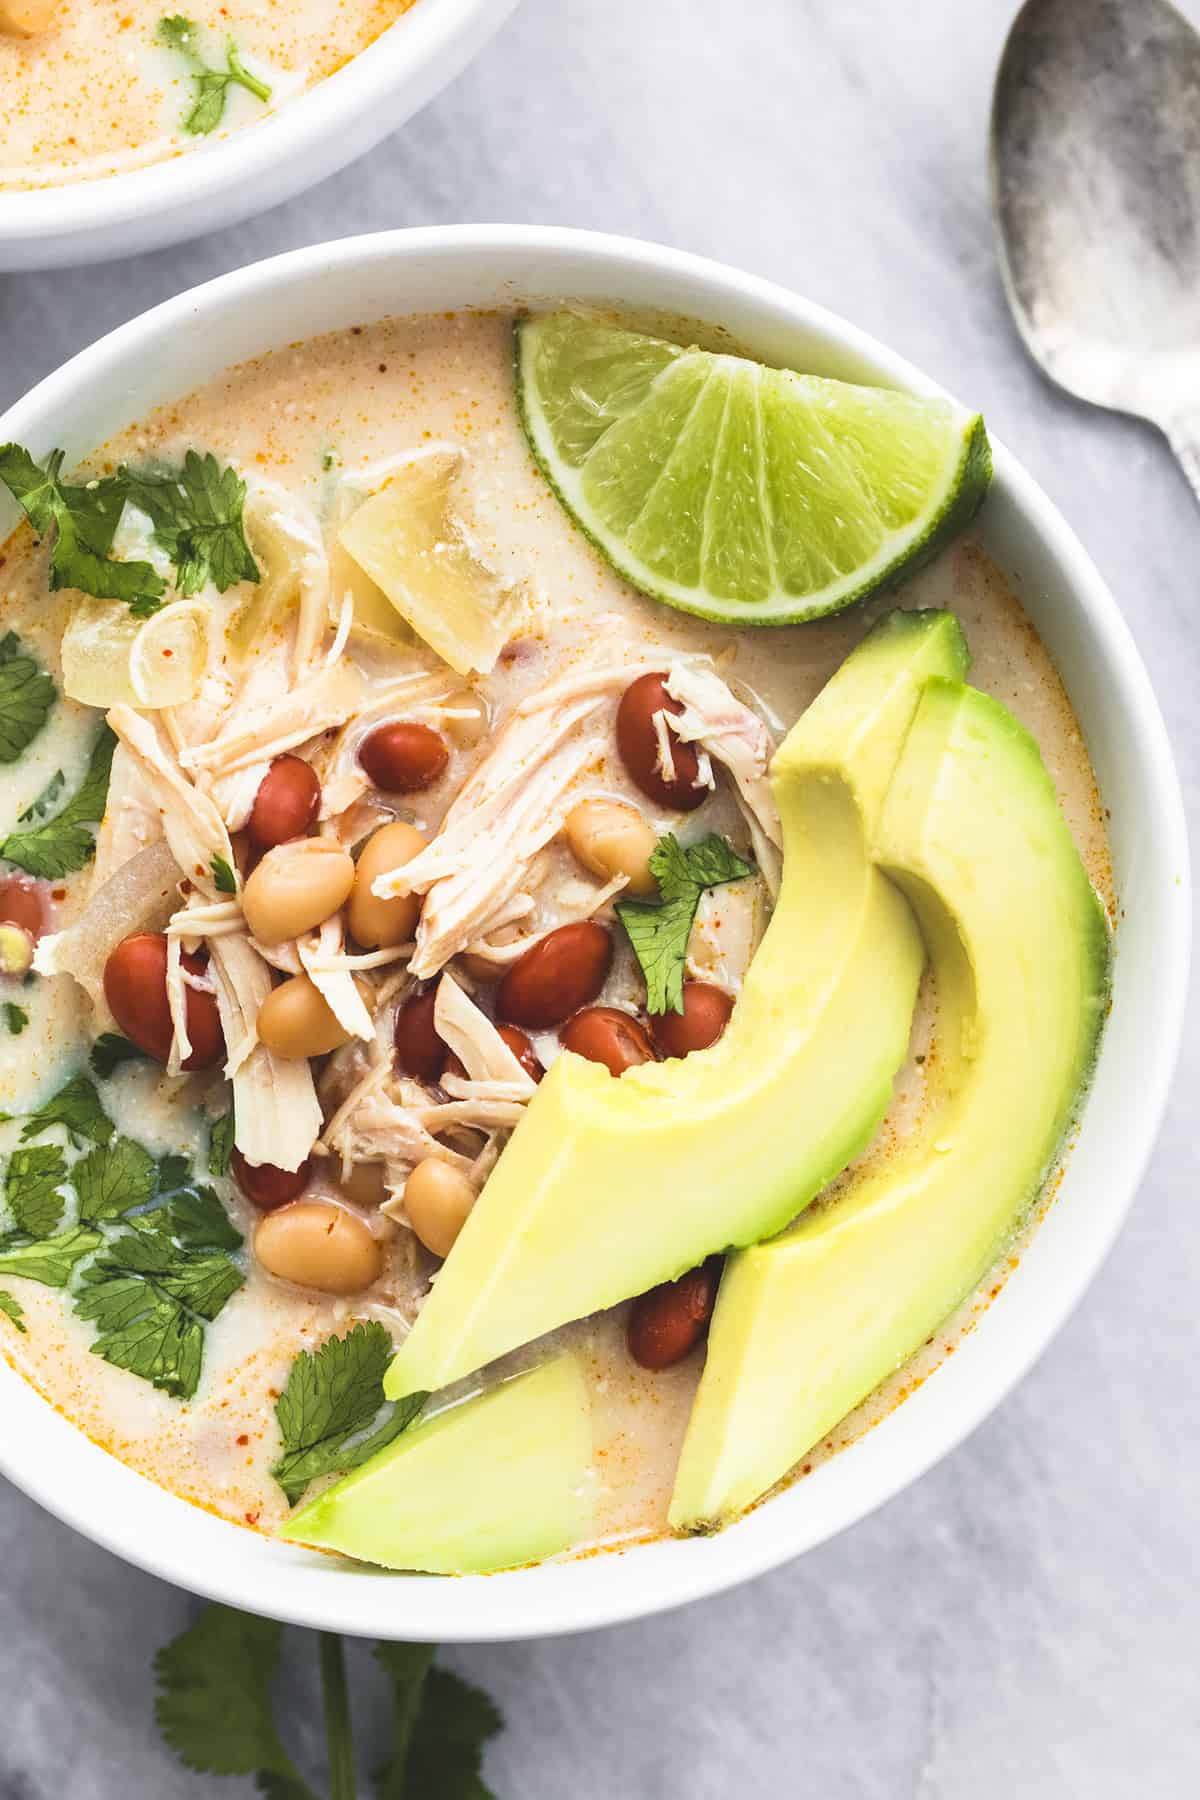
109	658
407	539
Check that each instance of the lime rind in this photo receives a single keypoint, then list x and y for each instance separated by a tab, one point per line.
740	493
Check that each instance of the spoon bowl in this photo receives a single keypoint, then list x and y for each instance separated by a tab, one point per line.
1095	164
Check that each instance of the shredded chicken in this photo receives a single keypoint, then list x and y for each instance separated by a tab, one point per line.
131	819
323	960
140	896
470	1034
721	725
512	806
255	735
191	824
288	543
276	1112
379	1126
181	1043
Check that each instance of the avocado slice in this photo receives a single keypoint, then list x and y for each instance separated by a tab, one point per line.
493	1482
805	1327
610	1186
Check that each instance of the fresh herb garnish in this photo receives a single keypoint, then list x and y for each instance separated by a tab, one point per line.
113	1179
110	1050
214	1708
200	1222
49	1260
195	512
85	520
220	1144
64	843
223	876
659	932
26	696
15	1018
332	1399
75	1105
212	85
31	1183
151	1295
12	1308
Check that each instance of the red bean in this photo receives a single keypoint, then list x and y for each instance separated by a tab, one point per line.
420	1052
402	758
562	972
671	1319
523	1050
135	986
705	1014
606	1035
267	1187
287	802
23	903
637	741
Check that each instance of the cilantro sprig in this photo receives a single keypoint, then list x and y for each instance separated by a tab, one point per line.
211	85
57	846
332	1414
195	511
214	1707
659	931
26	696
149	1254
110	1050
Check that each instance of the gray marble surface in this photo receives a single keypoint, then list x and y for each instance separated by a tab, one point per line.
1023	1621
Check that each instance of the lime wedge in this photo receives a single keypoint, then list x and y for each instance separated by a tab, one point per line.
750	495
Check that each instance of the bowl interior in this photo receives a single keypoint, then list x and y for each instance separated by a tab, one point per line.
177	346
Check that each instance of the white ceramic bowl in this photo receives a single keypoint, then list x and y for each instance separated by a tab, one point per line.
220	183
170	350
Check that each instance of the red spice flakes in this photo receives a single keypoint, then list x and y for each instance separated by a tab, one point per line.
244	1438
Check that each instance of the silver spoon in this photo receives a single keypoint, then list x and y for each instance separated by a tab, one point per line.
1095	159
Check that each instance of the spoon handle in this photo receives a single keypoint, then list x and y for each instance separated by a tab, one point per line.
1183	435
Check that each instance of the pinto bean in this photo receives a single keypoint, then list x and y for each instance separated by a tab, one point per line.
316	1244
438	1199
472	720
637	742
606	1035
560	973
374	923
523	1050
296	887
611	839
671	1319
135	987
267	1187
705	1015
403	757
296	1020
287	802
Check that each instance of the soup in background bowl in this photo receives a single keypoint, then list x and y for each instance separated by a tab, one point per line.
379	398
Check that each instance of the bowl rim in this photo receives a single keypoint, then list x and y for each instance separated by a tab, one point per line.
627	1583
405	65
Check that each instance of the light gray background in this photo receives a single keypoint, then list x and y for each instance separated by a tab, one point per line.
1024	1621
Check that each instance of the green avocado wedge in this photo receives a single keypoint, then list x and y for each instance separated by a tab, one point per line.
806	1326
491	1483
746	494
610	1186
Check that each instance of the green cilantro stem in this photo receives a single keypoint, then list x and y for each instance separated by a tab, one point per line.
338	1735
241	73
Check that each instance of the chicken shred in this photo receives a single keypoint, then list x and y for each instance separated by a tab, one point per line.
191	824
276	1112
715	719
473	1038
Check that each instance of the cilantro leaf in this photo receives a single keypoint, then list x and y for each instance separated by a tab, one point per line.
440	1727
196	512
174	1172
52	1260
110	1050
223	876
26	696
220	1144
332	1414
199	1221
660	932
85	519
31	1183
213	1704
113	1178
212	85
13	1309
66	842
15	1018
77	1106
150	1296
